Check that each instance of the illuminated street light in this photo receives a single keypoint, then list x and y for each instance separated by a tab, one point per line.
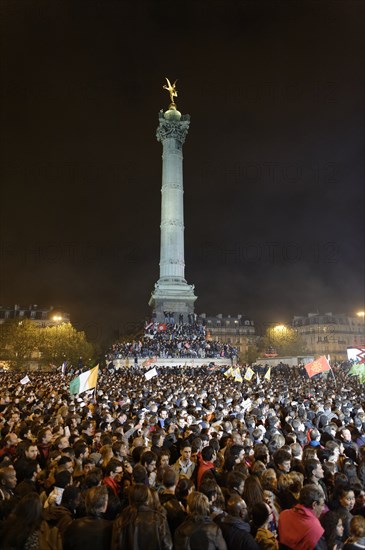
57	318
279	328
361	314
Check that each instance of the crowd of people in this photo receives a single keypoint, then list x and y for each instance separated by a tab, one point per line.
178	462
173	340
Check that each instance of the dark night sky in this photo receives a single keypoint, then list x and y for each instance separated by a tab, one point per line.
273	163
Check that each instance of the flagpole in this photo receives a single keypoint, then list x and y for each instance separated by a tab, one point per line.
333	374
334	378
96	383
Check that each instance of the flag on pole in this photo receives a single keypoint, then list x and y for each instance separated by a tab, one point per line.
317	366
229	372
249	374
25	380
268	374
237	375
238	378
161	327
358	370
151	373
86	381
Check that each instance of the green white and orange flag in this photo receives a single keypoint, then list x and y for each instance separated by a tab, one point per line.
86	381
249	374
268	374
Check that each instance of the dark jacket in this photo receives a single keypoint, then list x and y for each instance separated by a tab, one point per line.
237	534
25	487
46	537
199	535
141	529
89	533
174	510
58	516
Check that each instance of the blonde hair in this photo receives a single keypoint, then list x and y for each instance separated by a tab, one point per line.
106	452
284	481
198	504
357	528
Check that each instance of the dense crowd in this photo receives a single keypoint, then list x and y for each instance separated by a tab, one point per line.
200	462
182	340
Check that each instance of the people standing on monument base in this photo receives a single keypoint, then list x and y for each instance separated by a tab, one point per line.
169	340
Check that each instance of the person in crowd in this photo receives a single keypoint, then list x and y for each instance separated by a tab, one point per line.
198	531
300	527
265	539
235	527
343	502
174	510
356	541
206	466
26	528
333	530
44	443
140	525
30	474
92	531
63	515
184	465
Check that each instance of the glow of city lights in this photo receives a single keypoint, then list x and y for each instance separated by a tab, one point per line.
280	328
57	318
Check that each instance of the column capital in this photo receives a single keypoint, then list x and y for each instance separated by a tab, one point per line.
176	129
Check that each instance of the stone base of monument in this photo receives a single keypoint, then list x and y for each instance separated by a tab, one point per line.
173	297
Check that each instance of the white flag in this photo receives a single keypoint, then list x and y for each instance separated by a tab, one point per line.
151	373
25	380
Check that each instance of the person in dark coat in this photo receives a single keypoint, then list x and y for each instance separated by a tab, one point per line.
63	515
198	531
91	532
25	527
29	480
235	529
174	509
139	526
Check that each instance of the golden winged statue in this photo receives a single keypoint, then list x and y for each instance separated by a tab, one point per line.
171	88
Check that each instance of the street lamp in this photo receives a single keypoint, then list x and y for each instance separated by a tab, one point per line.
280	329
57	318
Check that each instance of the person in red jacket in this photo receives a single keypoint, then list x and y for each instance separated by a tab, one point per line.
206	465
300	527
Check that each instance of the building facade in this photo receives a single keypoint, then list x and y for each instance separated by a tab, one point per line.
237	331
42	317
330	334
